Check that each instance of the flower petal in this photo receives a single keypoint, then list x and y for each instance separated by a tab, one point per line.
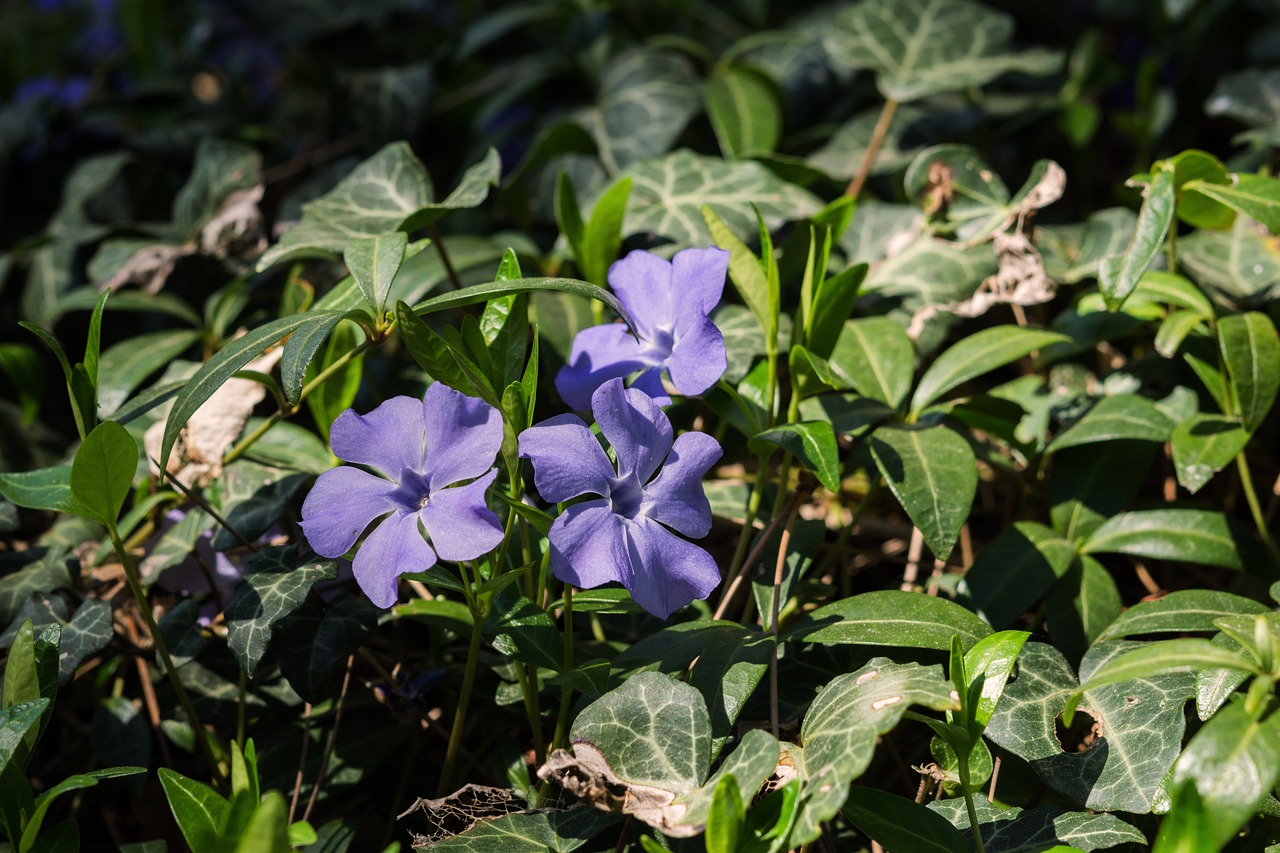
650	382
676	497
668	571
463	435
460	524
567	459
697	281
698	358
599	353
642	282
389	438
340	506
394	547
637	430
588	546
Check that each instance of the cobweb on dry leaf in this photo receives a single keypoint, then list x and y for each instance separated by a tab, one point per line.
453	815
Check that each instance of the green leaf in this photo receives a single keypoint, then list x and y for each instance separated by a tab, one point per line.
989	663
313	642
1163	657
1256	196
1174	329
724	821
874	356
222	168
47	488
744	109
1140	723
217	370
747	276
840	730
1188	828
1072	252
933	474
450	615
1251	350
926	47
1186	535
471	191
752	762
446	362
900	824
1015	569
374	262
831	305
44	801
977	354
490	290
88	632
521	630
556	830
1179	612
268	829
197	808
102	472
301	348
1119	417
812	443
1195	167
21	364
376	198
1118	275
262	598
568	214
1233	763
667	196
602	237
647	96
890	617
1202	446
1171	289
1243	264
16	721
1044	829
126	365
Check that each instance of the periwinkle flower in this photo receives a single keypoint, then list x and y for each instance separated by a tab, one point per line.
621	535
669	302
423	449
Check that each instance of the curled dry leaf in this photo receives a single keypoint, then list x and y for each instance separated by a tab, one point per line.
196	459
586	774
453	815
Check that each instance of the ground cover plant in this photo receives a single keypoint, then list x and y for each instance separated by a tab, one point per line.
640	426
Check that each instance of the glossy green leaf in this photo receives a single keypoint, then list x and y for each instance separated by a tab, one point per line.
490	290
990	662
752	762
1188	535
1118	275
1202	446
568	213
1119	417
197	808
1174	290
523	631
1191	168
812	443
975	355
301	348
1141	723
890	618
1187	828
1015	570
724	821
1174	329
451	615
1256	196
102	472
743	105
16	721
1161	658
746	274
47	488
900	824
840	730
1233	762
602	237
441	359
374	262
36	821
874	356
1179	612
126	365
832	303
265	596
1251	350
933	474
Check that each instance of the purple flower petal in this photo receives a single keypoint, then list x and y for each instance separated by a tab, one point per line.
642	282
697	281
599	354
567	459
676	497
340	506
463	434
668	572
698	358
389	438
460	524
636	428
650	382
588	545
394	547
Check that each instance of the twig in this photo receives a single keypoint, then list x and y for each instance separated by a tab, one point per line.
302	759
801	495
995	774
873	147
914	550
333	740
778	567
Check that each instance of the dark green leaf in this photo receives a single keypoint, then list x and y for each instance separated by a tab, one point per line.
874	356
812	443
975	355
312	641
1119	417
831	305
1118	274
1180	612
1044	829
647	95
900	824
1202	446
1015	569
103	470
742	103
301	347
1187	535
1256	196
1187	828
264	597
374	262
933	474
890	618
522	630
197	808
1251	350
127	364
445	362
471	191
484	292
16	721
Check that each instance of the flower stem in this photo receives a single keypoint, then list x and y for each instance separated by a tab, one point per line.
464	701
162	649
873	147
566	692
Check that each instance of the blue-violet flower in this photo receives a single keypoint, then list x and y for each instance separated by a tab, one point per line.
622	534
422	449
669	302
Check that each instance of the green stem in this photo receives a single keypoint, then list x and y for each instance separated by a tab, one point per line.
1255	508
529	690
963	768
566	692
162	649
1171	247
464	701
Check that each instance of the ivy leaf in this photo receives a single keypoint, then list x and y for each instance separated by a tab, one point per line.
15	722
1251	97
925	47
1179	612
646	98
1072	252
667	196
275	588
313	641
1118	274
222	168
978	202
1015	830
471	191
1202	446
933	474
1251	349
840	730
890	617
539	831
752	762
1140	725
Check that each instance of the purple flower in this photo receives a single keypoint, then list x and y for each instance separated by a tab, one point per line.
423	449
669	302
620	536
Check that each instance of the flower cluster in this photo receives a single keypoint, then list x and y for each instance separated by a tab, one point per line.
431	461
